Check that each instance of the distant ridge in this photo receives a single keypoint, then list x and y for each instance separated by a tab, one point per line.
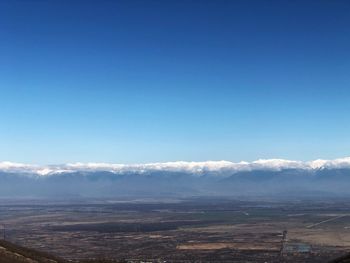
277	183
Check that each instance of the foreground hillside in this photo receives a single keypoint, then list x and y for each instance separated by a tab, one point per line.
343	259
10	253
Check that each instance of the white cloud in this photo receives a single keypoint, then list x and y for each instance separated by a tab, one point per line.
218	167
331	164
17	167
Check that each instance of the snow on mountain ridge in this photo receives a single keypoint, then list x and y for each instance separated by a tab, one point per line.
178	166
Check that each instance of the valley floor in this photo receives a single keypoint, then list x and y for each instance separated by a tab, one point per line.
193	230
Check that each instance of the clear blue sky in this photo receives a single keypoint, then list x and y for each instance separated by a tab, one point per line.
142	81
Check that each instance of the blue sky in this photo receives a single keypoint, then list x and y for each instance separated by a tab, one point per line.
144	81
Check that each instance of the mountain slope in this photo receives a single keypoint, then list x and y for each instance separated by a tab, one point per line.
343	259
11	253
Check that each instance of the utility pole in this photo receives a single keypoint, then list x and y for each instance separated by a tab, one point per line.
283	241
3	232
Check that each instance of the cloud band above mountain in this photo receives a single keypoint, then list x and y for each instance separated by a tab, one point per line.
217	167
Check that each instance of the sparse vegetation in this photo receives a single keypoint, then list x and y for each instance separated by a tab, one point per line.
184	231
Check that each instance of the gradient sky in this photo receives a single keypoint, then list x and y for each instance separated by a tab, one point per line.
143	81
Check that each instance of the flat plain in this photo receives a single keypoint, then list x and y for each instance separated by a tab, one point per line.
181	230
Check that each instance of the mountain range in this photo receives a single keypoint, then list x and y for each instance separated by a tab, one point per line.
274	177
